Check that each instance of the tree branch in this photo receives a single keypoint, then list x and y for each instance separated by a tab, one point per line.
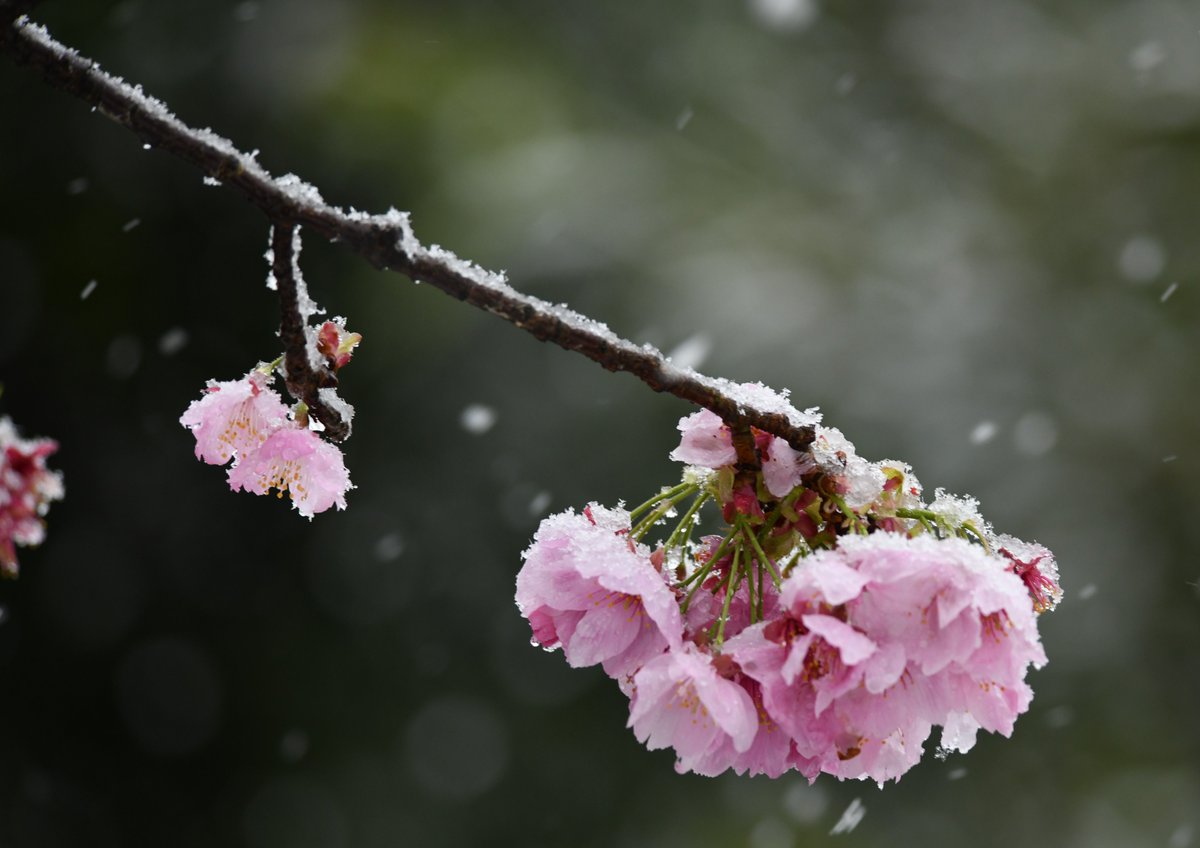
303	377
386	241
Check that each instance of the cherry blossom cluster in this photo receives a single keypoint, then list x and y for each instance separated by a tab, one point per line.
831	625
272	447
27	488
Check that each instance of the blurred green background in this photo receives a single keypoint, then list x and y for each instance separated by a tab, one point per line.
965	228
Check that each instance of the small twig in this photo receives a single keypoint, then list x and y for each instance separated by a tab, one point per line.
303	379
386	241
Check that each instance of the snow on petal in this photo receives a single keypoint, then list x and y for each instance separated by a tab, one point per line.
585	564
297	461
706	441
234	417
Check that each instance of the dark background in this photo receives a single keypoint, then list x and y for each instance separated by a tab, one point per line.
927	218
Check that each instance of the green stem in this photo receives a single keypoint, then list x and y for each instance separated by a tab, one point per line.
763	558
712	560
653	518
665	493
853	516
922	515
683	530
733	570
970	527
791	563
750	590
761	605
697	577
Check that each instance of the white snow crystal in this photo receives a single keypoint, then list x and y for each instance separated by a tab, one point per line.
850	818
172	341
1147	56
298	190
692	351
1142	259
785	14
959	510
1035	433
477	419
389	547
984	432
329	397
540	503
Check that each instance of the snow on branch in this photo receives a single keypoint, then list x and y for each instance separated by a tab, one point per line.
309	378
387	241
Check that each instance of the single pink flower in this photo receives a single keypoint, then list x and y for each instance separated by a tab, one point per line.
234	418
784	467
706	441
680	701
27	487
1036	567
297	461
589	589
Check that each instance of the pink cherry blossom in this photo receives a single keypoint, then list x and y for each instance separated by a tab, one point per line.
784	466
706	441
26	489
886	636
772	752
1036	567
234	418
873	622
680	701
295	460
587	588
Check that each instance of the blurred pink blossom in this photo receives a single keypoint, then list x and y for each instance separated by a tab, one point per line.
27	487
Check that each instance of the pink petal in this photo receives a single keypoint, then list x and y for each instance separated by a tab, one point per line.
706	441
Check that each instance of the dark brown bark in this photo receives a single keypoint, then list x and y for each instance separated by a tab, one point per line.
383	240
302	379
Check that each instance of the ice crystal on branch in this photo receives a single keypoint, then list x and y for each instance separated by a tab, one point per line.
832	624
27	487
